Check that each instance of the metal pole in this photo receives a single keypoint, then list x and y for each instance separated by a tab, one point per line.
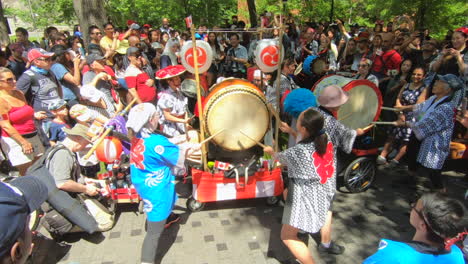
199	101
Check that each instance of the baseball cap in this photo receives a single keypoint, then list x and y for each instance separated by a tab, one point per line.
57	105
91	93
78	130
59	49
132	51
362	36
38	53
18	199
147	26
93	57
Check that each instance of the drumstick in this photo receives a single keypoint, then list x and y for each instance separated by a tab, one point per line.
345	117
384	123
107	131
369	126
273	111
258	143
390	109
212	136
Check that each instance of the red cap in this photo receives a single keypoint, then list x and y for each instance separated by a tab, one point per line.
38	53
129	22
147	25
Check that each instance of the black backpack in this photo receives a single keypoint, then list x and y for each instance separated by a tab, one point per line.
62	211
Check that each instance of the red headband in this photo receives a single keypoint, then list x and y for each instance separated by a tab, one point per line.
464	30
449	242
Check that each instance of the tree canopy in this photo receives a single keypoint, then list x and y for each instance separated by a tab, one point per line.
437	15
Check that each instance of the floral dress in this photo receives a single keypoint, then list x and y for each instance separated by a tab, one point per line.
177	103
408	97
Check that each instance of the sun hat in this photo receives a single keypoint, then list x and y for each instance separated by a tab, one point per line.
452	80
80	112
170	72
78	130
332	96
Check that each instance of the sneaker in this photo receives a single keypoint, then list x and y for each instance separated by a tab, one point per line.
173	218
393	164
333	249
381	160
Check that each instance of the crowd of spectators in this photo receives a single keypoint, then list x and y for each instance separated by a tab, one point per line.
56	90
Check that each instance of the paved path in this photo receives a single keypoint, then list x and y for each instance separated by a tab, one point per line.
247	231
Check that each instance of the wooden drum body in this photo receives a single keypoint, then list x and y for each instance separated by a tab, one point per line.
364	103
236	105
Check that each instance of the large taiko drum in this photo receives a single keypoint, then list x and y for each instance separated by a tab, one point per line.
364	103
236	106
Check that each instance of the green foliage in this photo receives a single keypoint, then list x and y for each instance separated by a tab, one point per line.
46	13
437	15
207	12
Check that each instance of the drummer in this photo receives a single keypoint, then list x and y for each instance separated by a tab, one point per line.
330	100
287	84
172	104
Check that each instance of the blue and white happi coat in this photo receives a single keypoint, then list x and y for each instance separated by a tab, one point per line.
152	163
434	129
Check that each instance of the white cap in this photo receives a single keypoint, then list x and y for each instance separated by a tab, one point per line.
90	93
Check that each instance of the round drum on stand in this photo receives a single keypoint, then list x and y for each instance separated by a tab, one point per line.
309	71
236	105
364	103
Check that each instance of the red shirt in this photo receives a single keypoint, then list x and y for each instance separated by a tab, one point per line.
390	58
21	118
136	78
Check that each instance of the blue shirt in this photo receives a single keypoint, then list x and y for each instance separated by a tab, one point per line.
151	162
68	89
402	253
55	131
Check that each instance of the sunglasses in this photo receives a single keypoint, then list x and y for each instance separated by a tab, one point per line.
44	59
98	33
9	80
363	65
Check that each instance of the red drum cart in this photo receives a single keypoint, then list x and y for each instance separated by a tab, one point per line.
237	118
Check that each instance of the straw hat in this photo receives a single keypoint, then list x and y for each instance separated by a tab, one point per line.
170	72
332	96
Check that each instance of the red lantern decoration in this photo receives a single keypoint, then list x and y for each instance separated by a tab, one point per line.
109	150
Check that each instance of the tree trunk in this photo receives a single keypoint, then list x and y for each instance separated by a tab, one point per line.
90	12
252	13
4	38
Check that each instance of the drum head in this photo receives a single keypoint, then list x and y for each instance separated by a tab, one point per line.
236	105
364	104
319	66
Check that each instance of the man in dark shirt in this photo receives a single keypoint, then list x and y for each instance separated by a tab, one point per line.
17	63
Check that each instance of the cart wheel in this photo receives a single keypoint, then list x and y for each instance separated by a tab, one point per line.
140	207
272	200
194	205
360	174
